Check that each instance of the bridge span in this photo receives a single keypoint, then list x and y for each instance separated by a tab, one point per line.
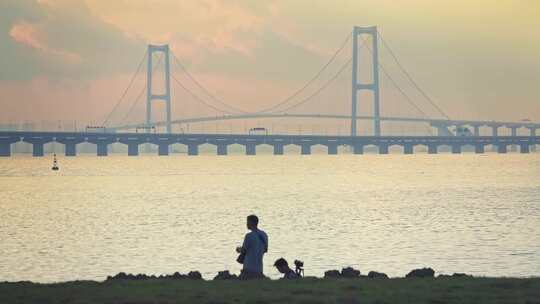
442	125
278	142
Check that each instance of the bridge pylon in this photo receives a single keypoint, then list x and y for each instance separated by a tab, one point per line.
150	96
373	86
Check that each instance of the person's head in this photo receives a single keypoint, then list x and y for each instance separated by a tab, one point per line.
252	222
281	265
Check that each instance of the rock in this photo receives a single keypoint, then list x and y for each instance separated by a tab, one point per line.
421	273
377	275
194	275
331	274
225	275
350	272
177	276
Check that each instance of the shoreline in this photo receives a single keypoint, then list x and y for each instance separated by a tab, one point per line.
462	289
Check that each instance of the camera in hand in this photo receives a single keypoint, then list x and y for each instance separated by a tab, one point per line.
299	268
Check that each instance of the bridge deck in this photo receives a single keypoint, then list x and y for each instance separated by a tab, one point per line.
193	141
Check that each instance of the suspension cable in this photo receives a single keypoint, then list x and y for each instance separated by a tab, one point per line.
126	90
160	60
307	84
408	75
199	99
324	86
385	72
207	92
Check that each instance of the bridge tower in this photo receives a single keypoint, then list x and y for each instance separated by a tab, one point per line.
166	96
373	86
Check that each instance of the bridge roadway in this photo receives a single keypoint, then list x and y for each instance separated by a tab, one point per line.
222	141
440	124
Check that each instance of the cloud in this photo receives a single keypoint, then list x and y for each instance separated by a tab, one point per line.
31	35
62	39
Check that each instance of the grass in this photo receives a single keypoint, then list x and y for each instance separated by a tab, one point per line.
441	290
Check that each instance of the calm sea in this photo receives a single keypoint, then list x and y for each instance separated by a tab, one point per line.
478	214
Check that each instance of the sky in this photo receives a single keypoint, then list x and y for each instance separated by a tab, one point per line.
73	59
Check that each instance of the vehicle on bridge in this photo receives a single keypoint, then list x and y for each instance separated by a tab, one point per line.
463	131
258	131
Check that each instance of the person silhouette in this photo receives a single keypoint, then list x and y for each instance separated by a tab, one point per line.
283	267
253	248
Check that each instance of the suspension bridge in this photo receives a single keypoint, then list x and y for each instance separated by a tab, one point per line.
441	130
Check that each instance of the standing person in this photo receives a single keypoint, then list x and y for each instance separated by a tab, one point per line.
255	245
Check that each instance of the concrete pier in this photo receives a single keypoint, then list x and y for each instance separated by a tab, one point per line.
70	144
332	149
383	149
408	149
5	149
163	149
37	144
479	149
278	149
193	149
222	149
5	145
358	149
306	149
251	149
133	149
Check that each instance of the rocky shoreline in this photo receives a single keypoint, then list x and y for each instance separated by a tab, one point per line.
347	273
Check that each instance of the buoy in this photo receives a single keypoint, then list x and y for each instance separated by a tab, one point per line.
55	164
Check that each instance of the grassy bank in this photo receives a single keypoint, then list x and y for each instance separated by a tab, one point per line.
447	290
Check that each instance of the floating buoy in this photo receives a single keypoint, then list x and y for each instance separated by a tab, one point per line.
55	164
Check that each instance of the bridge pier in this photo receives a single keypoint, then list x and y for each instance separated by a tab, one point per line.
251	149
479	149
358	149
71	149
133	149
502	148
133	145
5	145
332	149
495	130
37	144
383	149
532	130
163	144
306	149
70	145
163	149
102	149
278	149
432	149
222	149
193	149
513	147
524	148
5	149
476	130
456	149
102	143
408	149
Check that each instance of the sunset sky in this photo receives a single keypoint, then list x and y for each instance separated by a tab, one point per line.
72	59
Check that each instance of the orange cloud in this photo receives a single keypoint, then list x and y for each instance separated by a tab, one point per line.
30	35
